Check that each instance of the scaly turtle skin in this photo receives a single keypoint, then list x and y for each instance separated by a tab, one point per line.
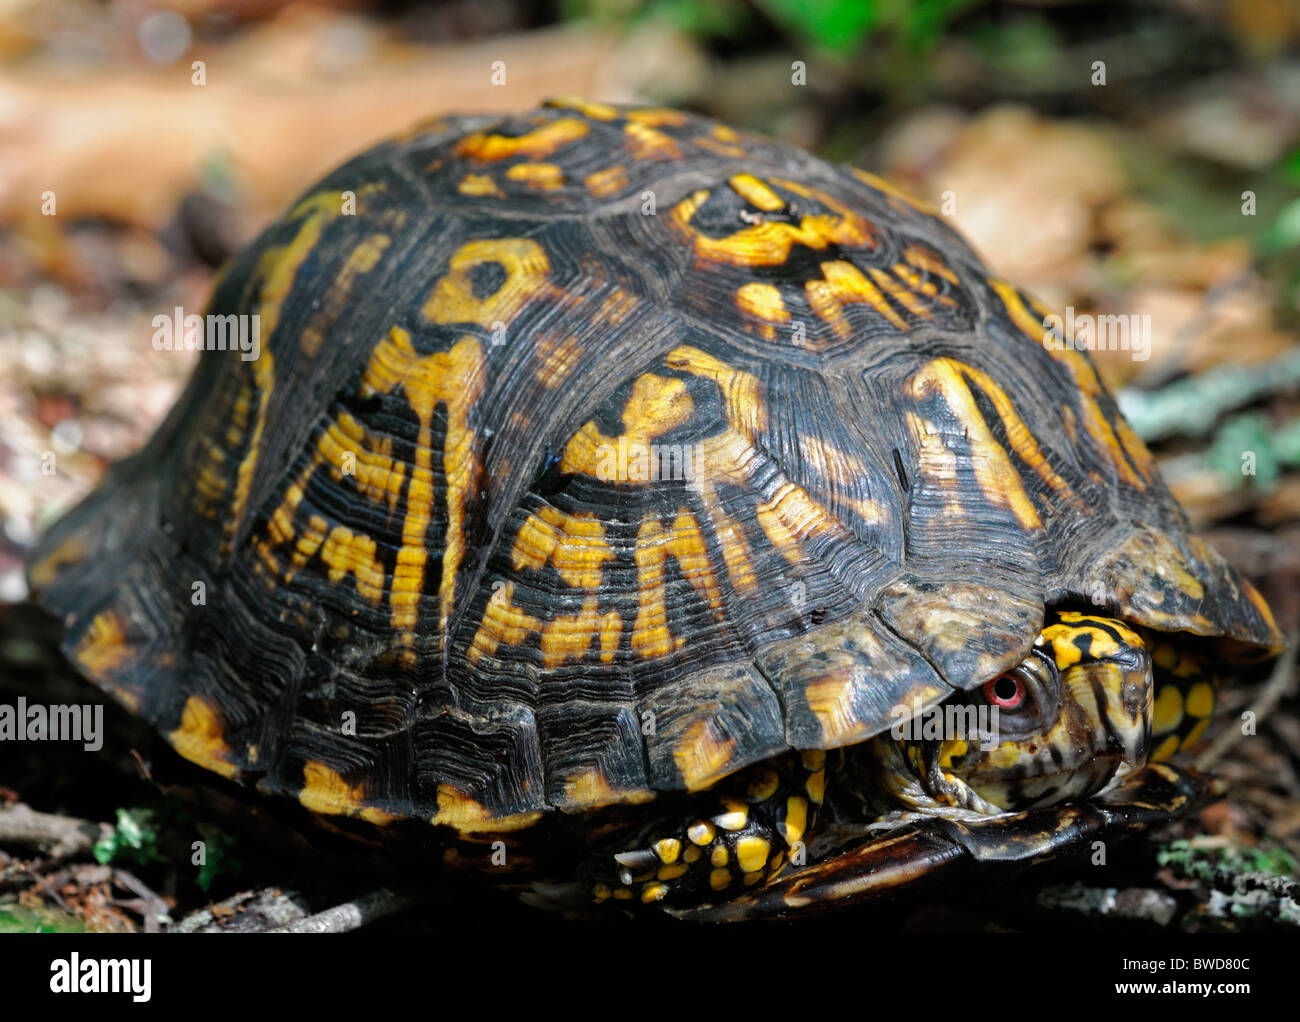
612	484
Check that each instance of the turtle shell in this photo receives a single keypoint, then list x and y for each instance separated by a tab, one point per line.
598	452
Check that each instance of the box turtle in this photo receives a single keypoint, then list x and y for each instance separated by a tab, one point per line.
642	511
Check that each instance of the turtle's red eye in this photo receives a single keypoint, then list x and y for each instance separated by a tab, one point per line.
1006	691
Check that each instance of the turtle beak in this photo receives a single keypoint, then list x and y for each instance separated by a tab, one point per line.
1122	692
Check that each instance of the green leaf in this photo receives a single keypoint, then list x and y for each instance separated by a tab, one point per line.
135	838
1284	232
838	26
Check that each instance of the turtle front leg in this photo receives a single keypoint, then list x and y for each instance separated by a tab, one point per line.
738	834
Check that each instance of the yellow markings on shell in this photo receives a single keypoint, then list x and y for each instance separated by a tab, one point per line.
601	183
734	815
360	261
769	243
1257	600
752	878
546	176
43	572
843	284
763	786
590	789
899	293
700	833
536	144
103	649
349	553
601	893
725	134
569	636
702	756
791	517
841	470
503	624
997	477
668	850
574	544
910	276
1165	750
558	359
623	894
1122	446
752	853
479	184
377	474
736	553
647	143
715	146
683	542
456	809
763	302
324	791
741	391
276	269
596	111
692	854
656	117
656	405
527	273
1200	699
892	190
796	819
452	380
200	740
275	273
719	879
719	855
757	193
762	245
930	261
831	699
1167	713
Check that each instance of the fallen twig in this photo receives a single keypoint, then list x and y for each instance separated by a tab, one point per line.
1278	683
58	836
353	914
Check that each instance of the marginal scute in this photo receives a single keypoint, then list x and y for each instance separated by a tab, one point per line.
843	683
710	724
325	791
1165	587
968	631
200	738
464	814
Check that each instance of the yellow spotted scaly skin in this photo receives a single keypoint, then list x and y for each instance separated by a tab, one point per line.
747	831
593	455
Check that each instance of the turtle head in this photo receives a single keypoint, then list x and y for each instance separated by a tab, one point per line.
1057	727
